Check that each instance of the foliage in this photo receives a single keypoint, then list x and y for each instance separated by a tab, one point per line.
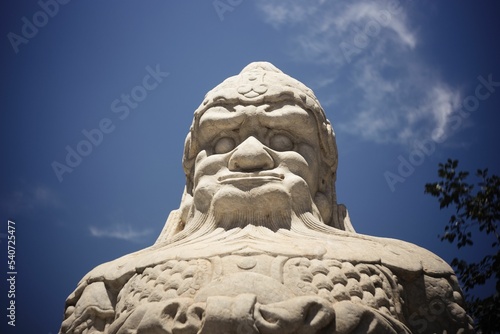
477	208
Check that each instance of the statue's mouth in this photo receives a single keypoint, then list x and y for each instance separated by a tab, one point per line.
251	177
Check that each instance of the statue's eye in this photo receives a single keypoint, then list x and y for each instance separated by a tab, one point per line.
280	142
224	145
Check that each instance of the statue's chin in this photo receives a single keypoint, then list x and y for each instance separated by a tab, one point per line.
267	205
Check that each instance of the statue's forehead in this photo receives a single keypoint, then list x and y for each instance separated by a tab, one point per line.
292	118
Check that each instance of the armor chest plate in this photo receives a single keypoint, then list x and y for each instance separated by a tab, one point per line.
270	278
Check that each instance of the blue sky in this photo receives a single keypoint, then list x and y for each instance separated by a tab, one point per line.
398	80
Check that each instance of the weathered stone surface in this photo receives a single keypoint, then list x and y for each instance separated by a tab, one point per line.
259	243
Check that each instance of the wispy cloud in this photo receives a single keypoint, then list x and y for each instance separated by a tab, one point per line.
119	231
30	198
368	50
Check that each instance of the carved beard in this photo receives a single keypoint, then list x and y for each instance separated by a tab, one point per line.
265	206
273	209
204	228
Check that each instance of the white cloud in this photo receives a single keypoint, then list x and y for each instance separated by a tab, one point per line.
441	104
31	198
284	12
368	50
119	231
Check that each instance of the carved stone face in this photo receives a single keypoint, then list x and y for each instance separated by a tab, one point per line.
257	164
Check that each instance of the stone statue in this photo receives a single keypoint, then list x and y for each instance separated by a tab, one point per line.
259	243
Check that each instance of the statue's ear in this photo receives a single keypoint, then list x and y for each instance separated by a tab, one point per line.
185	207
324	206
176	219
325	199
188	158
343	220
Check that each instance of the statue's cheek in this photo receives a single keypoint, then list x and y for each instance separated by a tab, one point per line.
206	166
204	192
311	156
303	164
300	193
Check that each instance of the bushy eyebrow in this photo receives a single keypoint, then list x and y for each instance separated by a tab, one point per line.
219	119
295	120
289	118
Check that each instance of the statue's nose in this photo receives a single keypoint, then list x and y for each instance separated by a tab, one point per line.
249	156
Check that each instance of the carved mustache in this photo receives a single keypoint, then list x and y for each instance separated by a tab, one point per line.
263	175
